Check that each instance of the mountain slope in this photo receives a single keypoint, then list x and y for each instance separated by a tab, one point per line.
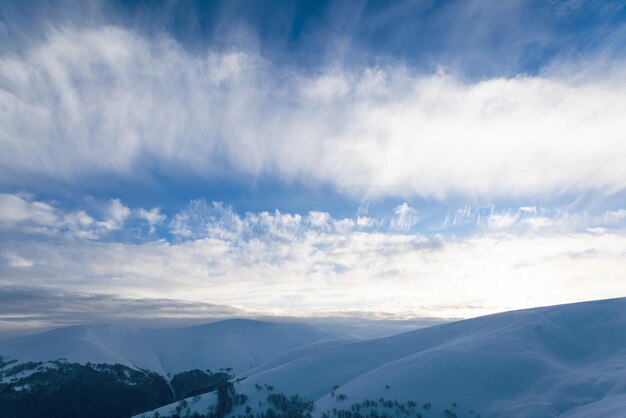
567	360
239	344
538	362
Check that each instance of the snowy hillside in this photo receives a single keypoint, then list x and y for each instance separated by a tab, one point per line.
239	344
567	360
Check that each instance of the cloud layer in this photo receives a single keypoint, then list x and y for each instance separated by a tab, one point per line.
314	264
26	310
108	100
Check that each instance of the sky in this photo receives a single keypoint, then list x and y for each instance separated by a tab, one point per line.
163	162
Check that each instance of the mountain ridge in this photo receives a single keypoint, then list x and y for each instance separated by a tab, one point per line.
560	360
235	343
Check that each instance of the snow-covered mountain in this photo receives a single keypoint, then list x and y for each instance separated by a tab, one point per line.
567	360
237	343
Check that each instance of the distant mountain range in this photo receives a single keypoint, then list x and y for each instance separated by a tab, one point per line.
561	361
238	344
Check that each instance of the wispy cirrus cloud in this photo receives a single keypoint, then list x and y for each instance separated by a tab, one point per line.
405	217
108	100
536	219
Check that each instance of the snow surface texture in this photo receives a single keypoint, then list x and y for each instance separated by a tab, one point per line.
567	360
236	343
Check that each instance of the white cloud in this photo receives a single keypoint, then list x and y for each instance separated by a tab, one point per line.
365	221
321	220
362	218
265	261
81	225
201	219
613	217
528	209
404	274
23	214
117	214
325	88
105	100
405	217
152	216
16	209
502	220
547	221
117	211
78	219
13	259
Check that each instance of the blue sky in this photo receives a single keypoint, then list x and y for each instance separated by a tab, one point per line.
405	159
